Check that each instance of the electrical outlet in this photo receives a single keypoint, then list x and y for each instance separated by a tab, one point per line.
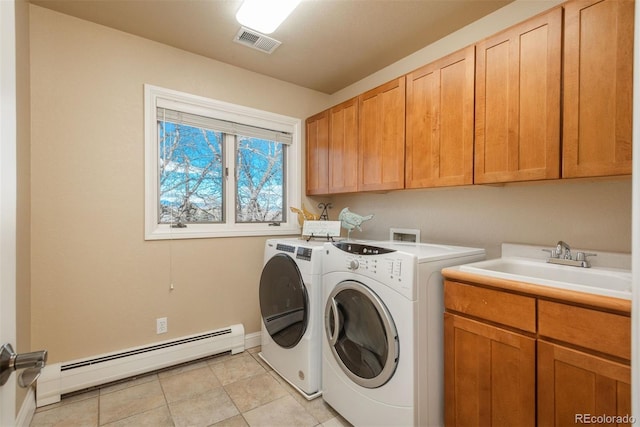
161	325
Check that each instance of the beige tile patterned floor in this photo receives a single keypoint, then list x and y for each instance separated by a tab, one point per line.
228	390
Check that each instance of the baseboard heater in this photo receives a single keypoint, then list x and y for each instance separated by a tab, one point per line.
60	378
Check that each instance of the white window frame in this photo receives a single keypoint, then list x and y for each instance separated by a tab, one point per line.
224	111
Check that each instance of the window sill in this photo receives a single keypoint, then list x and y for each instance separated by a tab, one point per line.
198	231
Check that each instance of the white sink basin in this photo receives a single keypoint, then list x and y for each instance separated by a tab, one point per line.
611	282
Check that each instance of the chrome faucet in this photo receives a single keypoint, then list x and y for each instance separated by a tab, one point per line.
567	250
562	255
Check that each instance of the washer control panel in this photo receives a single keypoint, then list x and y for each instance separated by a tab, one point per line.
393	268
361	249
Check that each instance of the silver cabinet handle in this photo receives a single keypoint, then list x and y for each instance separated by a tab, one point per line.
32	363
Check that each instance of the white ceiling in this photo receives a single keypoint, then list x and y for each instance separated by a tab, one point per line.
326	44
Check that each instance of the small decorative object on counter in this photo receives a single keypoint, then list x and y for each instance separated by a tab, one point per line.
325	230
324	215
304	214
351	220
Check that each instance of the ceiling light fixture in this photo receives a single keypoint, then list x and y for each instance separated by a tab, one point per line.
265	15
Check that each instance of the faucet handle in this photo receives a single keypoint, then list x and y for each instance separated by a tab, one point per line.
552	253
582	256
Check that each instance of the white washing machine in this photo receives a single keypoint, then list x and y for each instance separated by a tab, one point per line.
382	348
290	305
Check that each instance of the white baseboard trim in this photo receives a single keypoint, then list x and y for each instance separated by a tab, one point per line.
253	339
60	378
27	409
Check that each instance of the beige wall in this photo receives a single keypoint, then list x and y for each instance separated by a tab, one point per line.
97	286
586	214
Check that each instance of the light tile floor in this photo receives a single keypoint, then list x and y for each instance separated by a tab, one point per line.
228	390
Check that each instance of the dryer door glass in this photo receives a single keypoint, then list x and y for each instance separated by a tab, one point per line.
362	334
284	302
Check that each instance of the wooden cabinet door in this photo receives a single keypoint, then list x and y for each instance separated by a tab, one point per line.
574	384
518	102
489	375
343	147
317	134
439	120
598	77
381	137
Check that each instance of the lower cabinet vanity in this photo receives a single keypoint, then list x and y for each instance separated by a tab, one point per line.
518	354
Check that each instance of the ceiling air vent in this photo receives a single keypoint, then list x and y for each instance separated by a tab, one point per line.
256	40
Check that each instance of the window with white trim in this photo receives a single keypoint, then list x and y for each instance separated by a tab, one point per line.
214	169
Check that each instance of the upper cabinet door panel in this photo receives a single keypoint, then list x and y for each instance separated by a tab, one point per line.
381	137
343	147
518	102
317	133
439	120
598	77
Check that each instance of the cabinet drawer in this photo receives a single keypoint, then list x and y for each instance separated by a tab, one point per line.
605	332
508	309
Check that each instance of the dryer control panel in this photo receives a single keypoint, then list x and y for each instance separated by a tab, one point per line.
307	255
304	253
395	269
301	252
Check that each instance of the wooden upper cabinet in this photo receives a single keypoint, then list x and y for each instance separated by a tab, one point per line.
381	137
518	102
343	147
598	74
439	120
317	134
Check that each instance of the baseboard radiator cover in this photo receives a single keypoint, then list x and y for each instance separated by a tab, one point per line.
60	378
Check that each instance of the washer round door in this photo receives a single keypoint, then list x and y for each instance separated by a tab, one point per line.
362	335
284	302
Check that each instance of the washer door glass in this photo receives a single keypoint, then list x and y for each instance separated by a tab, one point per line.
361	334
284	302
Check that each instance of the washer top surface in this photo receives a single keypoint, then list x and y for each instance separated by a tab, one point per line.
426	252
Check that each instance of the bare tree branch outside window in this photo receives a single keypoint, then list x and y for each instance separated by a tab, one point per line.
191	174
192	179
259	180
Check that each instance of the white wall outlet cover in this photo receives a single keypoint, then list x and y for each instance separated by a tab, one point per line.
161	325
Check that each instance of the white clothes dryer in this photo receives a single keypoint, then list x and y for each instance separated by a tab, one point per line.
382	348
290	305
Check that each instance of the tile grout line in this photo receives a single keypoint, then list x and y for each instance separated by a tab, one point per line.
291	393
166	401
